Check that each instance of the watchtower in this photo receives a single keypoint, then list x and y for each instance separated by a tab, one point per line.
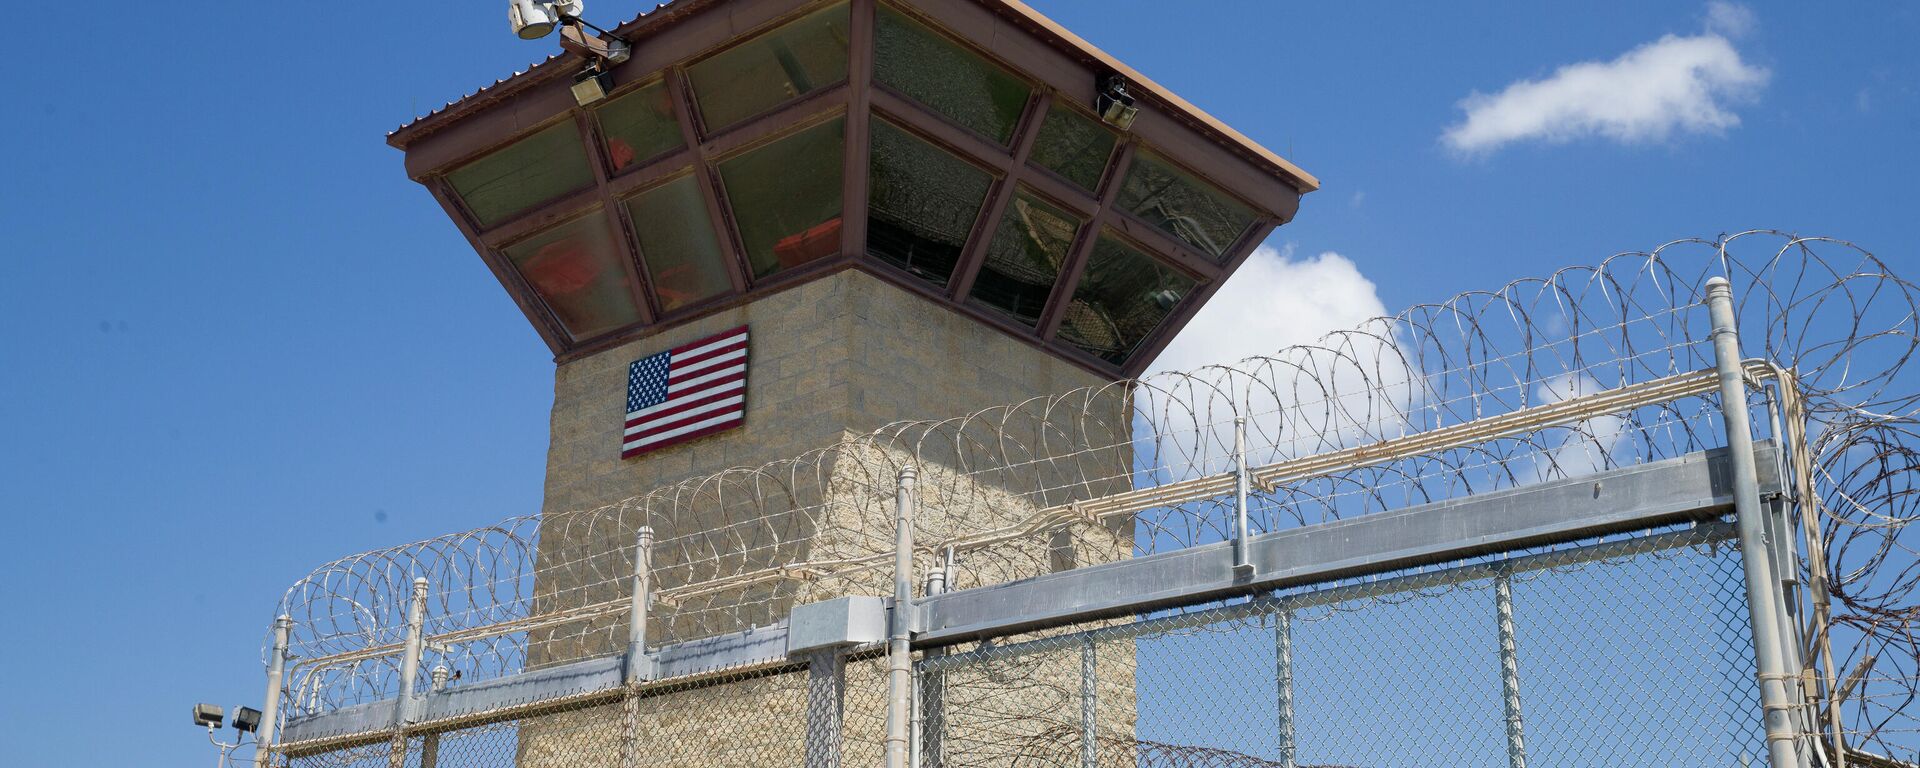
914	208
918	207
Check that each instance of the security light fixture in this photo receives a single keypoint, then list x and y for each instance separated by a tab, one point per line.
591	85
246	720
1115	103
208	715
532	19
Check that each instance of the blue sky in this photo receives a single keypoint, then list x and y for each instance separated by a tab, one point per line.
235	341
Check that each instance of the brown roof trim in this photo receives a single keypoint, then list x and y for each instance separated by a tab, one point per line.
651	21
539	72
1208	123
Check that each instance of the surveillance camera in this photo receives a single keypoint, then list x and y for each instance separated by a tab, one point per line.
532	19
246	720
208	715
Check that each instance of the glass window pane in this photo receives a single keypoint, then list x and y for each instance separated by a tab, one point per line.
640	126
525	174
949	79
1024	259
1122	298
767	71
785	197
1073	145
576	267
677	241
1184	206
922	203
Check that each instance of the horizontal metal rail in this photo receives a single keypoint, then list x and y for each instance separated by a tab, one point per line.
1707	533
1693	487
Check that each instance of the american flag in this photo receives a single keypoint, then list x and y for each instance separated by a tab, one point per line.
686	392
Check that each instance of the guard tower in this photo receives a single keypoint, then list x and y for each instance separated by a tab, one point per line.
917	209
917	206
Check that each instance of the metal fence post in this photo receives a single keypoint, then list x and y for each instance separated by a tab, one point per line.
826	708
933	693
1242	557
1762	581
1510	669
430	743
276	680
899	645
639	664
1089	703
1283	678
409	669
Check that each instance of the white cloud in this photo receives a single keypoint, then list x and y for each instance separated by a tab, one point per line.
1274	301
1311	393
1730	19
1671	86
1583	448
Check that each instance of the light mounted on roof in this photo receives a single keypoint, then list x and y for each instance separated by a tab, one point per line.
532	19
535	19
1114	103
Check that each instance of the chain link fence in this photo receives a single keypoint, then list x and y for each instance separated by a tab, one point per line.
1635	651
1628	653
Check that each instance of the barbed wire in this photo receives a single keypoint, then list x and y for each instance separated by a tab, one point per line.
1588	369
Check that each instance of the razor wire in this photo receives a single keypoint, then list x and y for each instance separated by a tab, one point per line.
1588	369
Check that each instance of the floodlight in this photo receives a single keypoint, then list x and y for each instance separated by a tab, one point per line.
208	715
246	720
532	19
591	85
1115	104
570	9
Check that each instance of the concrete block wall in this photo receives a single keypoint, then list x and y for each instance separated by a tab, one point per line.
831	359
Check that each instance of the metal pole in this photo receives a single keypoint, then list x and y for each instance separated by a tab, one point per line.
933	692
430	743
1510	670
1089	703
899	648
1283	674
276	680
639	664
826	708
1751	524
409	669
1242	559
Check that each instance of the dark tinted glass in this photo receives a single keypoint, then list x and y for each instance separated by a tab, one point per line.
577	269
785	197
768	70
676	239
922	203
639	126
1024	259
1122	298
949	79
1073	145
525	174
1184	206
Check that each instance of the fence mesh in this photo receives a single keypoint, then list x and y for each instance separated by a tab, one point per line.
1628	653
